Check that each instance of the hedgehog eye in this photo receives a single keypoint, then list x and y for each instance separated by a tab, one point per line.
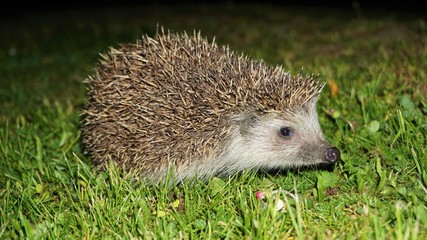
286	132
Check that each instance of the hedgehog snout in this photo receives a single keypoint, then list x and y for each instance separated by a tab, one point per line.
332	154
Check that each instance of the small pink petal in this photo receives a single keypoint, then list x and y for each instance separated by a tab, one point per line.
259	195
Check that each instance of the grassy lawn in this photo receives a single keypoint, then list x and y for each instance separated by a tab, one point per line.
375	64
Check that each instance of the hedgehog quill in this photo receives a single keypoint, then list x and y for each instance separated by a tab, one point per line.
178	101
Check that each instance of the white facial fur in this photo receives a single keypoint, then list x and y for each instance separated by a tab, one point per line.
257	142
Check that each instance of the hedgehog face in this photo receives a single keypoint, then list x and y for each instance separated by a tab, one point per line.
283	139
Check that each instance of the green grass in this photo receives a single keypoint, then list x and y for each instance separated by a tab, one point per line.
49	189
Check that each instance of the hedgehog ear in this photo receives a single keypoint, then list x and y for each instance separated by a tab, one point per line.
247	121
310	106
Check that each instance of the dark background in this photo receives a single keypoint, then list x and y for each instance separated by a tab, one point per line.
16	9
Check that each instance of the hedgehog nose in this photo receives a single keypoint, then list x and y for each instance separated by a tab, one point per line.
332	154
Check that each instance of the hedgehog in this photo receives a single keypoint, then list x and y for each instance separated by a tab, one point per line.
177	104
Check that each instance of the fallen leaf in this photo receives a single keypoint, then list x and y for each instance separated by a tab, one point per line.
333	86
